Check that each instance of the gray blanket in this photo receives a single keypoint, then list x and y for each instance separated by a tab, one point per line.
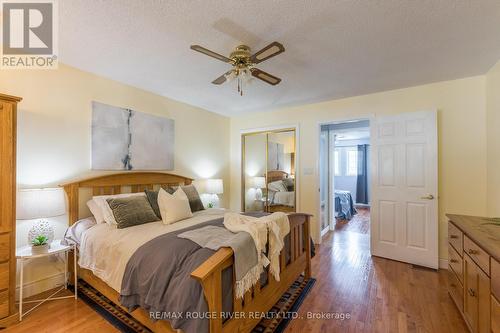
213	237
344	205
158	279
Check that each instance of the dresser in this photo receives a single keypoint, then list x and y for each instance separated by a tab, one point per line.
8	110
474	271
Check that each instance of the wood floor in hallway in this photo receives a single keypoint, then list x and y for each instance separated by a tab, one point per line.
378	295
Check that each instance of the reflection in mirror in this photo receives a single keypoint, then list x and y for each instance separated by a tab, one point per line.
268	173
254	172
281	171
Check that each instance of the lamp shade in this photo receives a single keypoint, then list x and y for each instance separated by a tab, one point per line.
40	203
259	182
214	186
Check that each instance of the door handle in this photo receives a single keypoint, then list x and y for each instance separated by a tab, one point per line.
428	197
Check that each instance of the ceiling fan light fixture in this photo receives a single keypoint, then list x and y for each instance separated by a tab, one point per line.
243	64
231	76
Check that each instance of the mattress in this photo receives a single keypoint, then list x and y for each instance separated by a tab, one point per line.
106	250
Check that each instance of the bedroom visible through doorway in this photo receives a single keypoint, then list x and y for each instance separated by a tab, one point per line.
345	176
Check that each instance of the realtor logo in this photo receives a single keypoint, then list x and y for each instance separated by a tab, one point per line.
29	38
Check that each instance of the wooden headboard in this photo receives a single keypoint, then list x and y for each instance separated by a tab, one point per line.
126	182
274	175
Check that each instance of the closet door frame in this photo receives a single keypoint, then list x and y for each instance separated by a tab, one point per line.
267	130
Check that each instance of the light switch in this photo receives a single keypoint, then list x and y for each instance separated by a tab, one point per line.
308	171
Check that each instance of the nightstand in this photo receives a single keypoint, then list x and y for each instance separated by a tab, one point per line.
24	254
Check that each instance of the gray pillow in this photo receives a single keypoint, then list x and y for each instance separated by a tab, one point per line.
153	199
289	184
132	211
193	197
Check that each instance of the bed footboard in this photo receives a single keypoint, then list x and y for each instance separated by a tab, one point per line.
260	298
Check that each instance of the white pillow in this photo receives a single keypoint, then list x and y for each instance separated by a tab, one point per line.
74	233
96	211
173	207
277	186
107	213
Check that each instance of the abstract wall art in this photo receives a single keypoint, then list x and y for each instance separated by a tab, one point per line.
124	139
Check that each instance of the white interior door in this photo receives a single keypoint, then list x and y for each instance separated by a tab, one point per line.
404	212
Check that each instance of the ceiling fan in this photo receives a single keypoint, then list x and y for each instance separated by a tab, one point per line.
243	63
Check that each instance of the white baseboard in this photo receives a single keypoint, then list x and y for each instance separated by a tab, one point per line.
443	263
41	285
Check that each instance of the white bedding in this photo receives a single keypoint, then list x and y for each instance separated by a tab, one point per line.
105	250
284	198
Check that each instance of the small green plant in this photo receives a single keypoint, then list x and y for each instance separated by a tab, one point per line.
40	240
210	205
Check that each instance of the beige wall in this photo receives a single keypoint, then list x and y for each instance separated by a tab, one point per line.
54	136
462	141
493	130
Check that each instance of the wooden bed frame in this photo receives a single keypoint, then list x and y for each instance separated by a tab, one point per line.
209	274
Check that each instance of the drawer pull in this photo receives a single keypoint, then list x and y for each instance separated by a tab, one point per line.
471	292
472	251
454	261
453	285
453	236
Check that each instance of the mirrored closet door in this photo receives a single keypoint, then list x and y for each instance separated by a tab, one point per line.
268	171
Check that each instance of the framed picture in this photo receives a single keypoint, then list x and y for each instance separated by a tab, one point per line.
124	139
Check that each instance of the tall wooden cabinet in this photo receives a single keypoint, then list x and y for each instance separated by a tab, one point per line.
8	110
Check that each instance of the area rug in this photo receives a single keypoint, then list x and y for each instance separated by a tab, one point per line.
275	322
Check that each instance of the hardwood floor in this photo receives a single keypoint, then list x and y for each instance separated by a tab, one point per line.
360	223
379	295
62	316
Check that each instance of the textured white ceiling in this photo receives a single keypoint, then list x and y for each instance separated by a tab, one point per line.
333	48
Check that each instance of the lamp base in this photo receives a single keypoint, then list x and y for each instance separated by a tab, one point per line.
258	194
41	228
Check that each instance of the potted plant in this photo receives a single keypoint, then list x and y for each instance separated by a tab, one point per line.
40	244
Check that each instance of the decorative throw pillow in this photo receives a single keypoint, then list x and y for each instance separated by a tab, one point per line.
193	197
173	207
153	199
131	211
277	186
101	201
289	184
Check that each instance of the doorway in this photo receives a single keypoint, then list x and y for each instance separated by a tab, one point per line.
345	176
401	157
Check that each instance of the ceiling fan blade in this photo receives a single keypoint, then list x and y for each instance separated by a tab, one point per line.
209	53
271	79
223	78
269	51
